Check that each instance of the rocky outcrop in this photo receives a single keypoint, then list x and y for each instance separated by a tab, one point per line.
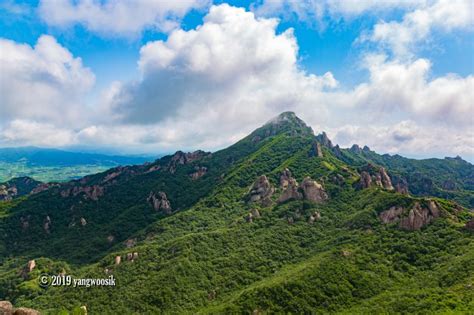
160	202
90	192
324	140
386	182
285	178
355	149
130	242
6	308
391	215
30	266
117	260
47	224
401	186
316	150
181	158
7	193
83	222
261	191
365	180
372	175
316	216
199	171
291	192
25	311
43	187
418	216
313	191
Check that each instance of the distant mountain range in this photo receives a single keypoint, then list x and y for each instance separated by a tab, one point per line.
281	222
57	165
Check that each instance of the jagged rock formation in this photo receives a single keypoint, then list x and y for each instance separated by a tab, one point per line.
181	158
90	192
289	186
309	189
401	186
372	175
199	171
261	191
313	191
7	193
324	140
418	216
159	202
316	150
355	149
286	122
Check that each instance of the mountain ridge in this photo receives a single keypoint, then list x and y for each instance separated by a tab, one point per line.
186	216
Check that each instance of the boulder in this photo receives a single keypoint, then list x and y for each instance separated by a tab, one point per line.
255	213
26	311
291	192
6	308
313	191
159	202
31	265
261	191
83	222
117	260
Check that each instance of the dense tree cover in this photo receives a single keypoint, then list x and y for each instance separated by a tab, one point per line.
206	258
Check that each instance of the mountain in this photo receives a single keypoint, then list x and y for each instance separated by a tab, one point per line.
282	221
56	165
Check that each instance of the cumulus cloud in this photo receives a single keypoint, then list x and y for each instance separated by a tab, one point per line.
234	65
45	82
208	87
118	18
401	37
397	88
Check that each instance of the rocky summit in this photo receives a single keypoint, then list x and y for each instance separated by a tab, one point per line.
283	221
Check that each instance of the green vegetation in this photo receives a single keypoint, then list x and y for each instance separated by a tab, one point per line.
204	258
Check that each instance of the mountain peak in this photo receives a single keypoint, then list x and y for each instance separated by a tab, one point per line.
286	122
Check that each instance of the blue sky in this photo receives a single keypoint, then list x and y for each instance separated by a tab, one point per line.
340	70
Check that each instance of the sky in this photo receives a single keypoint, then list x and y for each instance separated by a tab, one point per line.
153	77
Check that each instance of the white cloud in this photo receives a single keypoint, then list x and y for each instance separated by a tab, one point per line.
234	65
408	137
45	82
118	18
402	37
398	89
25	132
208	87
